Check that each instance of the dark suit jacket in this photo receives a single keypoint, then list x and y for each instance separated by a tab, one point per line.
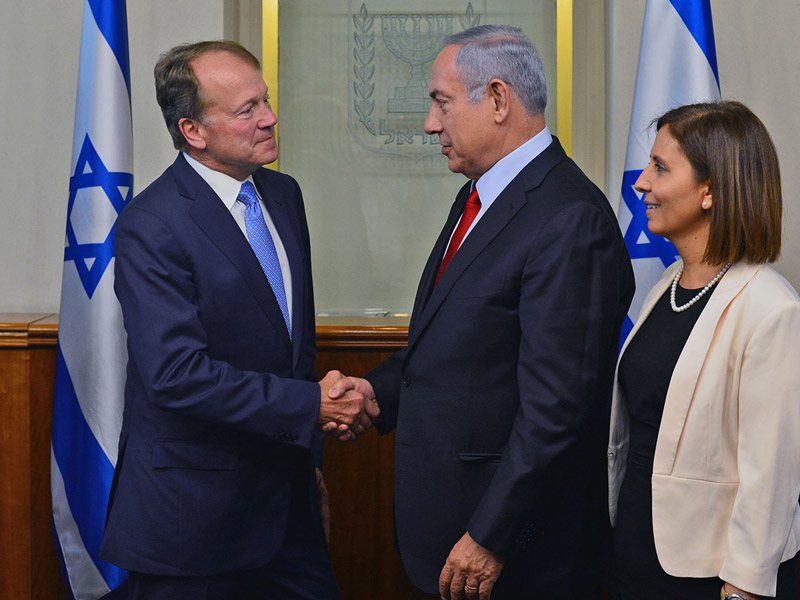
501	399
220	405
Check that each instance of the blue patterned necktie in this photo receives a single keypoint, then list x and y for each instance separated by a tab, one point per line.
260	239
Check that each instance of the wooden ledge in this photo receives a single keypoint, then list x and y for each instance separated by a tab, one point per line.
25	330
370	333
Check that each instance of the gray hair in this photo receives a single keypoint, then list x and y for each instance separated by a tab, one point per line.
500	52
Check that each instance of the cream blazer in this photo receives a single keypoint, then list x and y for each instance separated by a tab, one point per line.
726	473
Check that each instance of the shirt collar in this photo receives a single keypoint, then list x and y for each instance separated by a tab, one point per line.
224	186
496	179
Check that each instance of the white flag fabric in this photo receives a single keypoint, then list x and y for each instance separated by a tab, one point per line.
677	66
91	357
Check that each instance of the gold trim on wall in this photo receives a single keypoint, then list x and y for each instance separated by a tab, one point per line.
564	73
269	66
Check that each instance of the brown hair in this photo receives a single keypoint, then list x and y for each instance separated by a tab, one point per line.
729	146
177	90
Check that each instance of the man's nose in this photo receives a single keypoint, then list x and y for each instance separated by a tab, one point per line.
432	124
267	118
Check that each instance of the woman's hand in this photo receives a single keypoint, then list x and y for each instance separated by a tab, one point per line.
732	589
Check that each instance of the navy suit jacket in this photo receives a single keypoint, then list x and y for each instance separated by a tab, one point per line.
501	399
219	426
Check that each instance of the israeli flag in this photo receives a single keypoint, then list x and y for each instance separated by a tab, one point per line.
91	358
677	66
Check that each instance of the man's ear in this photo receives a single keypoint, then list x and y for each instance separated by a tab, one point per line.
193	132
500	96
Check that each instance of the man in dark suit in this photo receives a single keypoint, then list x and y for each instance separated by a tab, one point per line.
215	490
501	399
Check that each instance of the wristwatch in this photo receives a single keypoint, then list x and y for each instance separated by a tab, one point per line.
723	595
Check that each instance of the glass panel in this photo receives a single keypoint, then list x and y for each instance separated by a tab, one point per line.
353	100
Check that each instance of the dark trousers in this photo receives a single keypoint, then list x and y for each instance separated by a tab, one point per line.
300	571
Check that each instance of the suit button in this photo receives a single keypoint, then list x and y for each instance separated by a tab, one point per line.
406	381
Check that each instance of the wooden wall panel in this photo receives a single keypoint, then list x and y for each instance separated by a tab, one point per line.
47	581
28	564
15	539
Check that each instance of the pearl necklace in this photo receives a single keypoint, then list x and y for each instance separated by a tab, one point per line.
699	295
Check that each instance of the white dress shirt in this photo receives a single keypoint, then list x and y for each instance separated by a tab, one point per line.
227	190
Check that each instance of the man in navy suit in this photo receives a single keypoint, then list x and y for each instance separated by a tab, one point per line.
215	493
501	399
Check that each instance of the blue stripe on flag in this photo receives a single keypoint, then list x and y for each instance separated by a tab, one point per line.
85	468
697	17
112	21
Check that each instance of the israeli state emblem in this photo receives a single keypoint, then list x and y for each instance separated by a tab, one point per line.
391	56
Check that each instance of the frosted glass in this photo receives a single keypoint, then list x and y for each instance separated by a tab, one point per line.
353	101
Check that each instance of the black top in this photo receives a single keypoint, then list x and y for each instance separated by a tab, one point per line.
645	371
647	365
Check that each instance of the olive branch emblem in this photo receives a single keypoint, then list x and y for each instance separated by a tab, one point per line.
363	53
470	19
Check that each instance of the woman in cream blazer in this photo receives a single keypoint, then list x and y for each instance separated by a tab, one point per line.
726	468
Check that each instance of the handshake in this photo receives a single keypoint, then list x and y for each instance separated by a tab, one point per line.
347	406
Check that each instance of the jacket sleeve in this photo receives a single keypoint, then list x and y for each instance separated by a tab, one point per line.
386	380
768	454
168	346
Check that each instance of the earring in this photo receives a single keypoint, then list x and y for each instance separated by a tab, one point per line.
705	204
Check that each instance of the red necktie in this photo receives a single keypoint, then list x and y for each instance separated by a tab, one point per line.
470	212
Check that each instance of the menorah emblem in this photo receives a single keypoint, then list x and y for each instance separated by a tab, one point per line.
416	47
384	117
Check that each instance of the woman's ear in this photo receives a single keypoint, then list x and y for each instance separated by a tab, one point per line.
708	198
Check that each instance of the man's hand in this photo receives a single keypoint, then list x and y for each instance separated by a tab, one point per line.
324	508
470	571
347	406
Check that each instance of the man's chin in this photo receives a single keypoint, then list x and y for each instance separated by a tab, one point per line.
455	166
268	158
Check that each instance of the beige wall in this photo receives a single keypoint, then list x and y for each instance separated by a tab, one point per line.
39	44
757	52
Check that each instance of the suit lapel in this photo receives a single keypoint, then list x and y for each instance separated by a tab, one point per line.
435	259
493	221
211	216
680	393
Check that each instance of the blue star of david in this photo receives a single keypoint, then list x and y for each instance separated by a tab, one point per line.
655	246
91	172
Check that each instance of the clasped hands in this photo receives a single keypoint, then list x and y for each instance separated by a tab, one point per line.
347	406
